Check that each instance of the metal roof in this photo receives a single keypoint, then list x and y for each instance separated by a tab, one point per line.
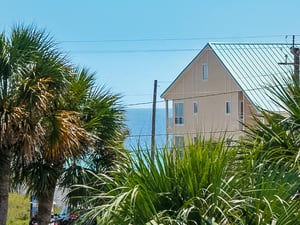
253	67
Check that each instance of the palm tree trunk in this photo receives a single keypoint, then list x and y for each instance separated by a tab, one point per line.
5	159
45	205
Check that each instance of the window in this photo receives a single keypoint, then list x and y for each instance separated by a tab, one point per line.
179	142
228	108
179	115
195	107
241	110
241	115
204	71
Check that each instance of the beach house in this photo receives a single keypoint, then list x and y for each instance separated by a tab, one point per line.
221	87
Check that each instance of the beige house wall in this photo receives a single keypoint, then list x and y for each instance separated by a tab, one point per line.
211	96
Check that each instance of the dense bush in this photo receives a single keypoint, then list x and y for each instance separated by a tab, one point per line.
205	183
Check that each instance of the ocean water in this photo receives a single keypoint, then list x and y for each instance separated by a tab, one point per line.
139	122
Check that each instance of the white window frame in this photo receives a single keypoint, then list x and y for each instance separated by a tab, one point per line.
228	107
179	115
204	71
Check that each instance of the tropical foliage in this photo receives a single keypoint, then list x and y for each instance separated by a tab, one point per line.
51	115
76	131
31	71
207	183
103	118
279	132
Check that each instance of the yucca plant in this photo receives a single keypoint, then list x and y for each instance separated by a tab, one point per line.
178	187
205	183
277	161
278	132
267	189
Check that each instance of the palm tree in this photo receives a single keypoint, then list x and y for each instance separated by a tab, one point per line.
64	139
76	128
103	117
31	70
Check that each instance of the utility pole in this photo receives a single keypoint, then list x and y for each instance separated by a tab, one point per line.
296	53
153	121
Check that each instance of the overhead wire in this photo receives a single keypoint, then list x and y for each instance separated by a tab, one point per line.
205	94
178	39
133	51
95	51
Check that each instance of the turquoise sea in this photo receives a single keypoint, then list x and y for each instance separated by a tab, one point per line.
139	122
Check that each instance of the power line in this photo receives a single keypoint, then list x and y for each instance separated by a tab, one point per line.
176	39
198	96
207	94
133	51
154	50
143	103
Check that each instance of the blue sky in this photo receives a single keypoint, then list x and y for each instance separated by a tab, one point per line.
131	43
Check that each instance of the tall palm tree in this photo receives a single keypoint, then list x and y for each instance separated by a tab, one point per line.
103	116
75	128
64	139
31	71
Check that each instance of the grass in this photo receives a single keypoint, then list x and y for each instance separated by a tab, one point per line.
18	209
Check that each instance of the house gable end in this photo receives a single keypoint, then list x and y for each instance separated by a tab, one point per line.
183	72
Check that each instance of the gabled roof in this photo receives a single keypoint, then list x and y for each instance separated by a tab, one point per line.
252	66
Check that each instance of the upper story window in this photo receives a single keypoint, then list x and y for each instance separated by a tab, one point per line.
204	71
195	106
179	113
241	110
228	108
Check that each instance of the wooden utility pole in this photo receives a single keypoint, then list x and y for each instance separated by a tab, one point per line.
295	52
153	121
